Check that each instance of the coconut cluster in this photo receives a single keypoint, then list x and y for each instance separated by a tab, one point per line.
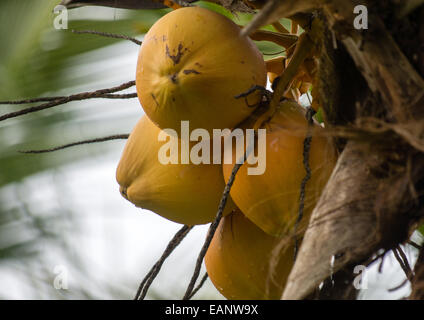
192	65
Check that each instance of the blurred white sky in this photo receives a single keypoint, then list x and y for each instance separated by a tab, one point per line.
116	242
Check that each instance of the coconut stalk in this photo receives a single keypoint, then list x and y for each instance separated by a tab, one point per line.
124	4
233	5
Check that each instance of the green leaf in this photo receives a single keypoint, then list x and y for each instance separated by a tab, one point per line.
421	229
319	116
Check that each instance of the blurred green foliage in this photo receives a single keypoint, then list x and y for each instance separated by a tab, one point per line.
37	60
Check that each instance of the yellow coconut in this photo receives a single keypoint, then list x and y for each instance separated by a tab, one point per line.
184	193
271	200
191	65
243	262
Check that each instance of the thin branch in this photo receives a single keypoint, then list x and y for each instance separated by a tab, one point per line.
108	138
46	99
303	48
306	149
402	264
118	96
403	283
414	244
108	35
377	257
399	260
202	282
213	227
43	99
275	9
211	232
151	275
102	93
380	266
405	260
